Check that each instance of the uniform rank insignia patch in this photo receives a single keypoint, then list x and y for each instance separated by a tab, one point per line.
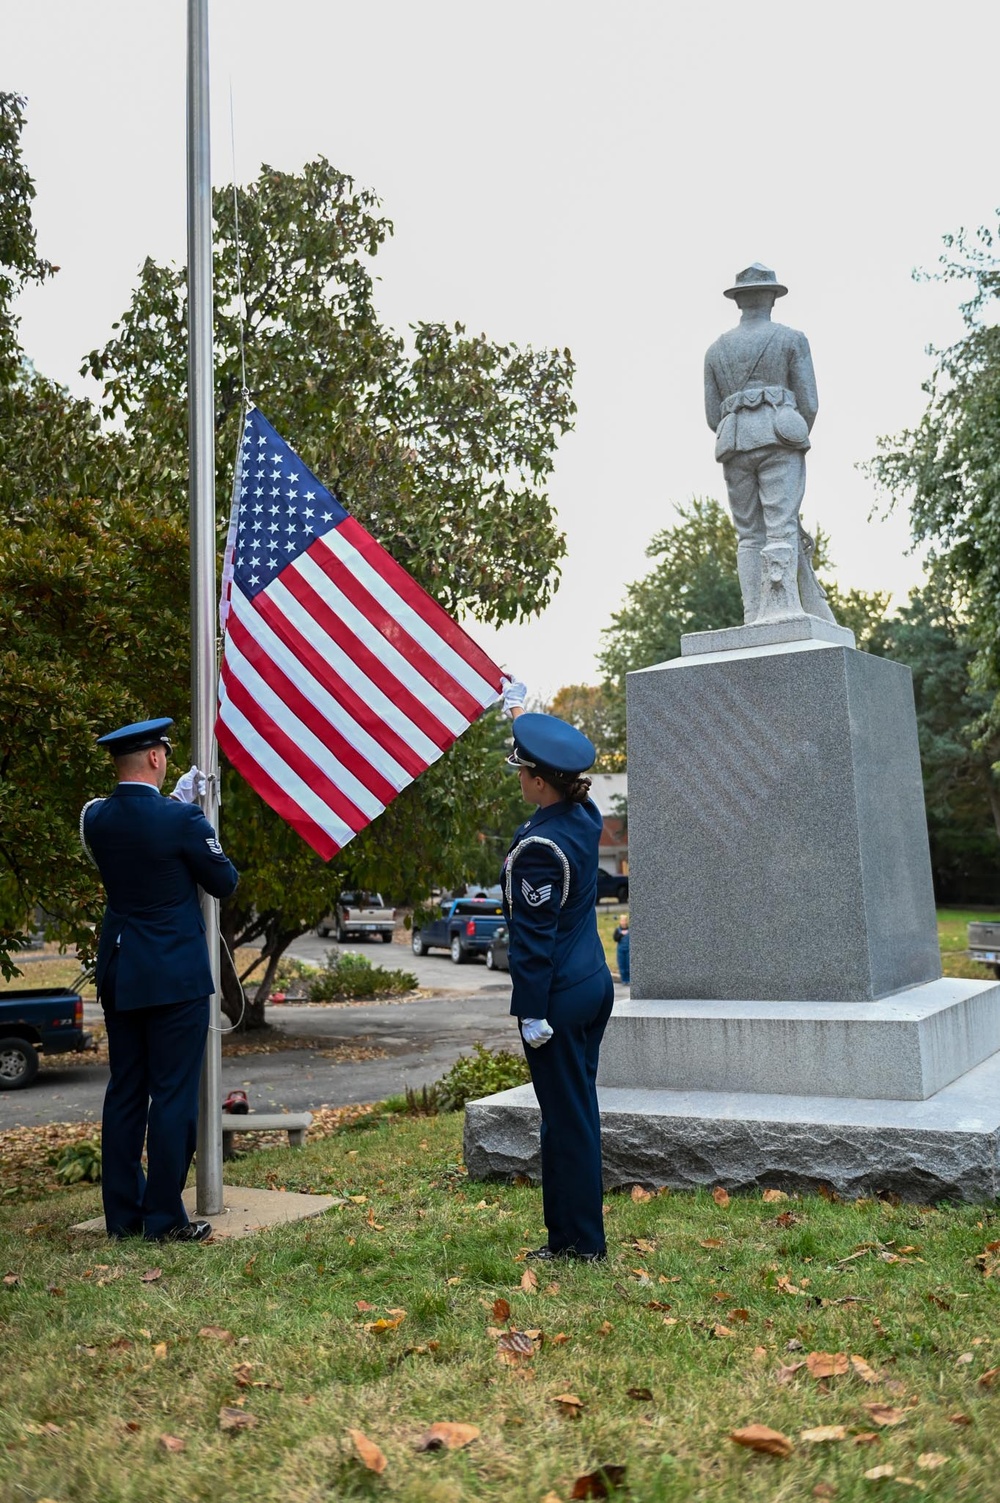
536	896
212	841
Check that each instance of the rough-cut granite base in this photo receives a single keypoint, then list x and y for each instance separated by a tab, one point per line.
905	1047
947	1148
764	633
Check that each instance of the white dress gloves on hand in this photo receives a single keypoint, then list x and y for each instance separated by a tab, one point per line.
190	785
514	695
535	1031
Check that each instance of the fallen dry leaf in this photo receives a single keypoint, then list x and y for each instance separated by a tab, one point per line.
11	1280
380	1326
444	1435
930	1460
771	1197
711	1242
823	1433
721	1331
638	1194
368	1452
569	1404
236	1419
787	1371
721	1197
960	1419
867	1438
215	1333
989	1377
363	1306
787	1218
501	1309
242	1374
529	1280
742	1315
826	1364
885	1414
150	1276
876	1473
763	1438
865	1373
599	1484
964	1359
171	1443
160	1350
824	1490
605	1328
644	1395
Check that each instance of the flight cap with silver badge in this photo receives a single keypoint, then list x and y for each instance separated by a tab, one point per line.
544	743
137	737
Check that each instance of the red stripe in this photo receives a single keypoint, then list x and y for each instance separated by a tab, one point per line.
283	746
332	682
261	782
305	711
425	605
319	611
394	632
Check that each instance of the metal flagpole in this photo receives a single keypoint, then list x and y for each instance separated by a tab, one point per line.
201	489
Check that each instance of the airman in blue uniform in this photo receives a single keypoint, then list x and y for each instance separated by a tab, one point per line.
562	990
154	978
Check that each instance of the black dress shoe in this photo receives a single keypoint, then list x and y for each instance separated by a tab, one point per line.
589	1257
194	1231
541	1255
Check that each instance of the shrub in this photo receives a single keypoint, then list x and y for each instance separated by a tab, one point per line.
79	1161
480	1073
347	977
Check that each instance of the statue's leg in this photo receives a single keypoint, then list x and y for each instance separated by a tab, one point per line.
782	476
741	484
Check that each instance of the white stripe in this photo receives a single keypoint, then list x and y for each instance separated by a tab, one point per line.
298	616
343	779
298	674
357	622
277	768
414	625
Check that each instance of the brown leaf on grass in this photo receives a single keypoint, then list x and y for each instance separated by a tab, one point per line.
514	1347
529	1281
964	1359
763	1438
787	1218
120	1344
828	1194
55	1290
150	1276
657	1304
721	1197
823	1433
363	1306
569	1405
11	1280
215	1333
711	1242
605	1328
643	1395
643	1244
960	1419
877	1473
740	1315
884	1414
86	1351
446	1436
368	1452
381	1326
784	1285
867	1438
599	1484
639	1194
771	1197
559	1339
865	1373
242	1374
133	1426
236	1419
935	1299
160	1350
787	1371
826	1364
760	1354
720	1332
172	1443
930	1460
501	1309
824	1490
989	1377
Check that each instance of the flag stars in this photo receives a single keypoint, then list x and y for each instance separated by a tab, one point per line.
310	495
289	547
254	579
276	490
308	512
328	516
259	491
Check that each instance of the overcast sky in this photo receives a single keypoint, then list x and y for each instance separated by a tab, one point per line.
562	173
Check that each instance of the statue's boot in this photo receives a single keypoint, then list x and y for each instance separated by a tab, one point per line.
748	568
779	597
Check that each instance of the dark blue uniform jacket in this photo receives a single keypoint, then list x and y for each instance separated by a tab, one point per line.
152	853
549	880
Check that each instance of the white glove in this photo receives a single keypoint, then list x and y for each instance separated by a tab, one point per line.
535	1031
514	695
190	785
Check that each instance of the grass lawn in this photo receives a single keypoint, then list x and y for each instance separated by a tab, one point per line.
123	1364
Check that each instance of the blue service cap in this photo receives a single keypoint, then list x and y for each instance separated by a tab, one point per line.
137	737
546	743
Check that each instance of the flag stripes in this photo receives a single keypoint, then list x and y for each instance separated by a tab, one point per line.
342	680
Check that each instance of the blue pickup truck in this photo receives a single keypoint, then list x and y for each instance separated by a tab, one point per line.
37	1020
464	928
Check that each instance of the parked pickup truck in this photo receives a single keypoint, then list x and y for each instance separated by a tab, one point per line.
37	1020
984	945
465	928
358	915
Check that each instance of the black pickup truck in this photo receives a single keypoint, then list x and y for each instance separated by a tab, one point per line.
37	1020
465	927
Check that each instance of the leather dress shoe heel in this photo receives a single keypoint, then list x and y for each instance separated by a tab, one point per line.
541	1255
194	1231
589	1257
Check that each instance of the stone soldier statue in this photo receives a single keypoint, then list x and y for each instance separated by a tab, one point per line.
761	403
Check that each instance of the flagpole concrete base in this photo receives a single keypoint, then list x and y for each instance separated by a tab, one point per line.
247	1211
944	1148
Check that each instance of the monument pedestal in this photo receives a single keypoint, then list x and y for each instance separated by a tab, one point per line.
788	1023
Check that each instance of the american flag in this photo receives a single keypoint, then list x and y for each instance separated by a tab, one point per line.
341	680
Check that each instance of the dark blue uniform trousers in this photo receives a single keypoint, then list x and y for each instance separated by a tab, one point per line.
152	1096
564	1075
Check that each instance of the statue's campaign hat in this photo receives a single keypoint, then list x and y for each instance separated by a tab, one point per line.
137	737
756	276
547	744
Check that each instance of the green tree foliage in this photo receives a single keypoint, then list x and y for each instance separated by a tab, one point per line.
589	708
19	259
948	467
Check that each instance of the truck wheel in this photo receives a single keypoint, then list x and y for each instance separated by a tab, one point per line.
457	953
18	1064
996	972
341	934
386	936
417	945
322	931
622	895
491	964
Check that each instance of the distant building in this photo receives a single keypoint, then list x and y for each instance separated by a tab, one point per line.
606	789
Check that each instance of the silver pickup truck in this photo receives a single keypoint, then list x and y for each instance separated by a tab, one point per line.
359	915
984	945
